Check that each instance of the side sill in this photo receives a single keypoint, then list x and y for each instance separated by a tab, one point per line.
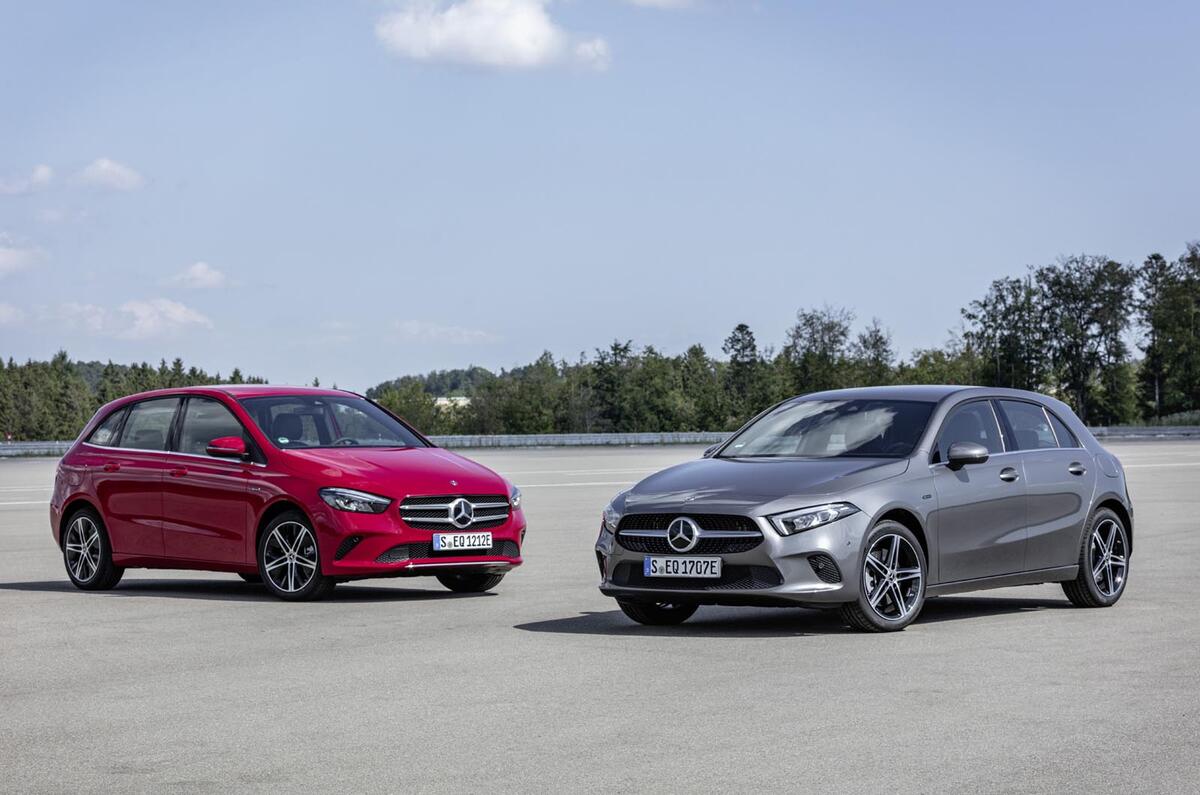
1058	574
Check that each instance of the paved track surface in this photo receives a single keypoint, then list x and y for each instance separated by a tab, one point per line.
200	682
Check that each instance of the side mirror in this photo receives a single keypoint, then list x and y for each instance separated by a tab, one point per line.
709	452
227	447
963	453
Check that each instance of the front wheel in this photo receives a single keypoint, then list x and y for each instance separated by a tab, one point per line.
87	553
470	583
1103	563
657	614
289	560
891	588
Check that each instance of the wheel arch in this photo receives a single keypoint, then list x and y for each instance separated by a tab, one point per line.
1117	506
909	519
70	508
271	512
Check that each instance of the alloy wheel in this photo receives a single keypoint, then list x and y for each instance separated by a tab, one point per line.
892	574
290	556
82	546
1108	552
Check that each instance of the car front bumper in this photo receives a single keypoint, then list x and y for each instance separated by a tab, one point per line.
819	567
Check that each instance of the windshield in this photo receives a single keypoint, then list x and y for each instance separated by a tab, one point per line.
834	429
301	421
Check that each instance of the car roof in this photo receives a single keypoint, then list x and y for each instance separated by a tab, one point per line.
239	391
933	393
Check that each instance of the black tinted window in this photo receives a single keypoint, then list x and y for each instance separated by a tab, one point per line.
1030	427
149	424
1065	437
203	421
106	432
975	423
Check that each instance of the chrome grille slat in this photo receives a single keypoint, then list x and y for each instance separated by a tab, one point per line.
432	512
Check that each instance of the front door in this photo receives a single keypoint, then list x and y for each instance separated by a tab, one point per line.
981	508
206	508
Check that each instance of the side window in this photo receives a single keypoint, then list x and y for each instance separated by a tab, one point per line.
149	424
1030	427
205	419
974	422
106	432
298	425
1065	437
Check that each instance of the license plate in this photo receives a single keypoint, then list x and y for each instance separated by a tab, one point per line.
452	542
681	567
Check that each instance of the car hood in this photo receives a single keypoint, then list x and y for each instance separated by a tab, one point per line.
756	486
398	472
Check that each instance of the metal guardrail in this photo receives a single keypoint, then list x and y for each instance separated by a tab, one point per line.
16	449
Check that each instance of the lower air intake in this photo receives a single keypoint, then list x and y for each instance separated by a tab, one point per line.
824	567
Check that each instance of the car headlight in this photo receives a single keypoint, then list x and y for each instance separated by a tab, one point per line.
514	498
792	522
609	519
354	501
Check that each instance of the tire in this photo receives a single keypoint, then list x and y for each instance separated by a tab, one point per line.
470	583
255	579
289	559
1103	563
87	552
657	614
886	603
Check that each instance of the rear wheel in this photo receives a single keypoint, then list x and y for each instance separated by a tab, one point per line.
470	583
289	560
657	614
892	582
1103	563
87	552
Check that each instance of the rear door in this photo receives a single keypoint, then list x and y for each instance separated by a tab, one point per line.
130	485
1060	477
980	518
206	505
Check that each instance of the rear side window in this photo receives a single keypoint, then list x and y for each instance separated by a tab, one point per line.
1065	437
1030	425
204	420
106	432
149	424
973	422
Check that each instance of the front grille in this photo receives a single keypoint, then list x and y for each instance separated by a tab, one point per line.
706	521
348	543
715	522
433	512
824	567
424	549
733	578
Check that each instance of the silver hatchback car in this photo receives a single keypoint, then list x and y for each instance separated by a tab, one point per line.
868	500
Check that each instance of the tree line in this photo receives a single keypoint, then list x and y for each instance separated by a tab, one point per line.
1120	343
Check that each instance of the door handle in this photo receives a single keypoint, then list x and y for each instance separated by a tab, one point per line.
178	473
1077	468
112	466
1008	475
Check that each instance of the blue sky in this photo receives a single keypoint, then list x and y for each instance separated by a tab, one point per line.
366	189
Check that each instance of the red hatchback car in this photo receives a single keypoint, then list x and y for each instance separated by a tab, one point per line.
301	488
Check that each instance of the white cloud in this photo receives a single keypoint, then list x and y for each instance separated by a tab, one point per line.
660	3
502	34
200	276
156	317
15	256
39	178
424	331
10	315
111	175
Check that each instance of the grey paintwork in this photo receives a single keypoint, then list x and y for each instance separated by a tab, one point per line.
978	529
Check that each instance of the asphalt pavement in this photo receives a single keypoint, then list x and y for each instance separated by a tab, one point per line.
200	682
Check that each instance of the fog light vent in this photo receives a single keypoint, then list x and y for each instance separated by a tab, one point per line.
348	543
824	567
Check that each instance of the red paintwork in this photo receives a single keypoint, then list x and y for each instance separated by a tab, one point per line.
227	447
170	510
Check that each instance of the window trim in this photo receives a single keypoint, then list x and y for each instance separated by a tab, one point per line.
129	407
123	410
935	453
1074	437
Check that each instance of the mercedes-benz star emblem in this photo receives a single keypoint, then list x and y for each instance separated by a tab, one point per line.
683	534
462	513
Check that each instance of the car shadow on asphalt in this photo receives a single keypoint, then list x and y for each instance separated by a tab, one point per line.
756	622
237	591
